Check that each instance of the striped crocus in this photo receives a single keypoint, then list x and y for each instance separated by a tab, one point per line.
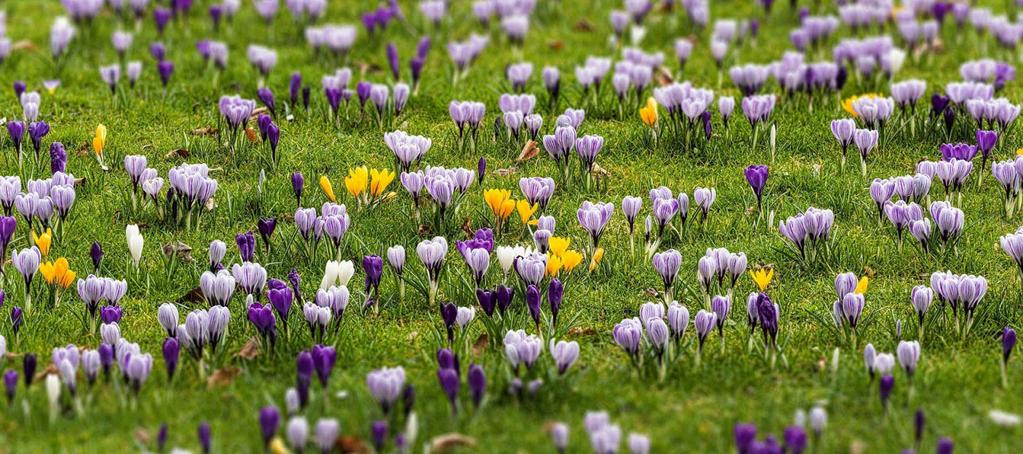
628	334
667	265
593	218
432	252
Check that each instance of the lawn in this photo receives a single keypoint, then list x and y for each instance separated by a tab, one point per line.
694	406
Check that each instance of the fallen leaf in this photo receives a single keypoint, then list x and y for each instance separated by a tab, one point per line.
211	203
178	153
451	440
650	292
599	171
79	182
505	172
529	151
480	345
24	45
182	250
83	150
250	350
424	230
204	131
413	336
352	445
252	135
664	77
583	26
192	296
869	272
257	112
142	436
365	67
223	377
556	45
582	331
467	228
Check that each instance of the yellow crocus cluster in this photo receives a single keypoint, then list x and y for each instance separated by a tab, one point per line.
500	203
57	272
366	184
847	104
560	257
762	276
861	286
648	113
43	241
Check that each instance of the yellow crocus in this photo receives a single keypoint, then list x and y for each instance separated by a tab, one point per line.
861	286
570	259
598	255
500	202
57	272
525	210
554	265
648	113
328	188
99	142
43	241
379	181
1019	152
762	276
357	180
558	245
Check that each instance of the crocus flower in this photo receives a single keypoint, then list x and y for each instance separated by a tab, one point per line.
756	176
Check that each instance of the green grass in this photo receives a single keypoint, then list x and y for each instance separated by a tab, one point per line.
957	384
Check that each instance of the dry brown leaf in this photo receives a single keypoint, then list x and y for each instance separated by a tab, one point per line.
257	112
79	182
650	292
556	45
142	436
223	377
529	151
252	135
182	250
352	445
192	296
583	26
83	150
365	67
178	153
582	331
505	172
211	203
480	345
467	228
447	441
251	349
599	171
424	230
24	45
204	131
664	77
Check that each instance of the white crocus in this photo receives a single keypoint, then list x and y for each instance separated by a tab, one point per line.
135	243
53	395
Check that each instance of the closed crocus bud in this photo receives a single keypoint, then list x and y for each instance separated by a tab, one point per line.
533	304
10	384
745	436
269	419
28	368
908	353
97	255
135	243
945	446
477	383
297	185
555	294
171	352
559	436
1008	342
205	437
818	420
297	433
885	387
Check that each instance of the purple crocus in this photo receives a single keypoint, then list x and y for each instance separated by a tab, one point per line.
756	176
269	420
